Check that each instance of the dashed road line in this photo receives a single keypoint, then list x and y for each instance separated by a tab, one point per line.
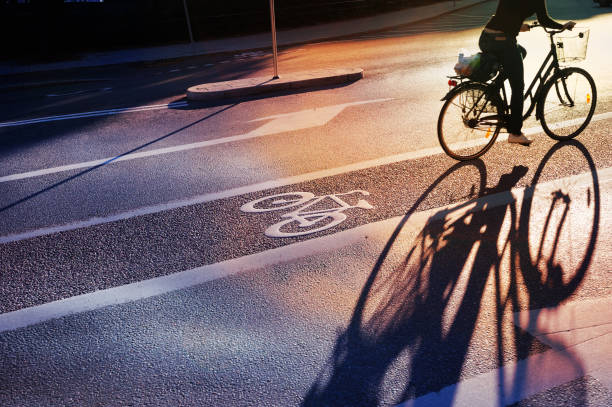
76	92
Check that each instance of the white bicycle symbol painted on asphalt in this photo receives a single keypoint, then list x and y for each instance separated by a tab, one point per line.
314	213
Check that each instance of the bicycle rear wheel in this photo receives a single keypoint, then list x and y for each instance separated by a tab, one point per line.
567	103
469	122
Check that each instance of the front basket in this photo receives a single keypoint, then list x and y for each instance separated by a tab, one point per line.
572	46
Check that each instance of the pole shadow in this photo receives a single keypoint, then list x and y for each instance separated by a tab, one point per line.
110	160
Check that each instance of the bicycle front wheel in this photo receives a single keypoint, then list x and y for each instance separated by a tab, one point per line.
567	103
469	122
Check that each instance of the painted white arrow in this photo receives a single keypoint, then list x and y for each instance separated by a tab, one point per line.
301	120
304	119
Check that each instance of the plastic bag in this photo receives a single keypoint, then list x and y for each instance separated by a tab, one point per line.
478	67
466	65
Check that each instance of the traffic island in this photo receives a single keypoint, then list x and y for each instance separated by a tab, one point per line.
257	86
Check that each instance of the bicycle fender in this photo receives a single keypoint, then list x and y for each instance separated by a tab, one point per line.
453	91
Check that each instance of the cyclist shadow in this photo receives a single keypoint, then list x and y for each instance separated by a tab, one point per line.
411	329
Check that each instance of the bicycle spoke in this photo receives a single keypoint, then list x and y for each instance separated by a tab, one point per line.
572	102
465	128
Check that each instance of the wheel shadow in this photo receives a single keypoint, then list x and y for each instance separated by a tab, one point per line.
415	322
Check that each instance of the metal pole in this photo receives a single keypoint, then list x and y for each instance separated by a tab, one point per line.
274	46
188	21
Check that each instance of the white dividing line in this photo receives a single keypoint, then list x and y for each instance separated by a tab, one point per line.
530	131
76	92
229	193
96	113
189	278
278	123
581	337
520	380
161	285
317	117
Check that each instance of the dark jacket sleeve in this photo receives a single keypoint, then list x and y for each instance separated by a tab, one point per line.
544	18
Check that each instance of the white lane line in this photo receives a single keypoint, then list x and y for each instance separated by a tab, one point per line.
292	121
581	337
229	193
278	123
76	92
530	131
519	380
161	285
189	278
96	113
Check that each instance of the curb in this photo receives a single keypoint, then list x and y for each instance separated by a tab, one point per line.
257	86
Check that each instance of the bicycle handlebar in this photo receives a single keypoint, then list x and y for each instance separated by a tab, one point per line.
551	31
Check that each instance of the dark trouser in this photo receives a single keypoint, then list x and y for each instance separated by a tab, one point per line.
510	55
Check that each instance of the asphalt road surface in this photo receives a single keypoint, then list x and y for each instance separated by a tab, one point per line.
313	248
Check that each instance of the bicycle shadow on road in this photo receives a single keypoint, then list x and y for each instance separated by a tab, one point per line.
424	324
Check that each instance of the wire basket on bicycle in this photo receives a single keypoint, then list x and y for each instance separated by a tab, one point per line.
564	99
572	46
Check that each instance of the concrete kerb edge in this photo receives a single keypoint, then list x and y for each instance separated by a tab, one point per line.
302	83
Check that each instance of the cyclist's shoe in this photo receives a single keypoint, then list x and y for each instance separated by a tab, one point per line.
519	139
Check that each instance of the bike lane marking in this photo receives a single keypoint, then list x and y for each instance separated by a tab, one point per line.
261	186
172	282
300	120
334	215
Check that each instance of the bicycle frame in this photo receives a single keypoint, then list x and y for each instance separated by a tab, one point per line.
548	69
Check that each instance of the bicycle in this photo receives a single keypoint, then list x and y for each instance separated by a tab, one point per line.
474	111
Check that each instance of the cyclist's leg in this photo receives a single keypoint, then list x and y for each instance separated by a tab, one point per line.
512	60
